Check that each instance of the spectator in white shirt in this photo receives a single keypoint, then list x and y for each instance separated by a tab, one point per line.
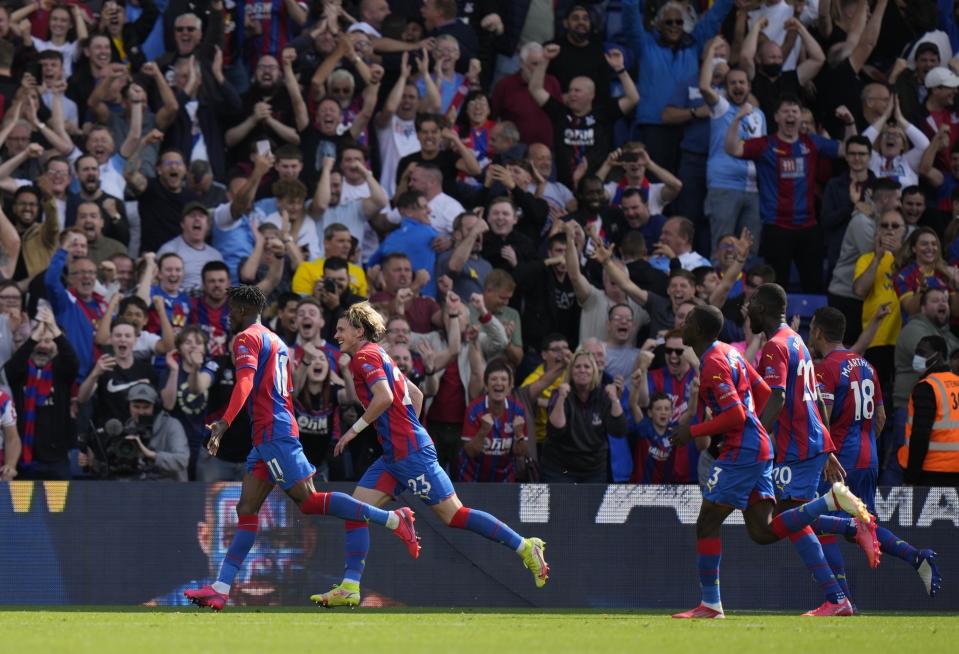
191	244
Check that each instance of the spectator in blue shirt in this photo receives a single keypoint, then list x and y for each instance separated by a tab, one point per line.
732	201
414	238
668	57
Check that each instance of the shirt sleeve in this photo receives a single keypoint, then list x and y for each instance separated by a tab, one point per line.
826	381
246	352
827	147
720	108
775	365
369	367
754	148
717	380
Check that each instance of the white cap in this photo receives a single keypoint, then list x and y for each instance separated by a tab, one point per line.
941	76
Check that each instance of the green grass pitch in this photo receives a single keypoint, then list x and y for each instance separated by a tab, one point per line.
100	630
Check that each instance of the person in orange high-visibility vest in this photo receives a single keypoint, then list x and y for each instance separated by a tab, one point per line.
930	455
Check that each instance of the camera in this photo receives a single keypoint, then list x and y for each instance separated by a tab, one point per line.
629	157
121	457
329	286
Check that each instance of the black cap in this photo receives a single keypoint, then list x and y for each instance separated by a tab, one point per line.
194	206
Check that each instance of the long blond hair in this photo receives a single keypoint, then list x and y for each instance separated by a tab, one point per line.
363	316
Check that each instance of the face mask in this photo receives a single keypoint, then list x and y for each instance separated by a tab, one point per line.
918	363
771	70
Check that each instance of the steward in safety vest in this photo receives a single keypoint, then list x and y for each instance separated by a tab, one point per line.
930	456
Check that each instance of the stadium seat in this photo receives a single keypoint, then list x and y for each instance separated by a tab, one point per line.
803	306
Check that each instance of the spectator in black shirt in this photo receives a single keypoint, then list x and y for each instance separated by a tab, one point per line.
161	199
582	131
50	434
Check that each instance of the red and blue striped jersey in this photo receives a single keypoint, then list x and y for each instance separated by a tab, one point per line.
677	388
270	403
214	321
726	381
787	177
848	384
496	462
398	429
656	461
911	277
799	432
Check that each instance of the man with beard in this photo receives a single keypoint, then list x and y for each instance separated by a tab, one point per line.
101	145
89	171
41	374
580	54
37	240
211	310
273	106
595	215
99	247
732	198
115	372
160	200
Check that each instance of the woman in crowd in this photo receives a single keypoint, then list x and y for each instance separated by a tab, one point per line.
891	155
920	264
581	416
316	408
494	430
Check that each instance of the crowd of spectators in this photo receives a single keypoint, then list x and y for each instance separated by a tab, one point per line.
535	193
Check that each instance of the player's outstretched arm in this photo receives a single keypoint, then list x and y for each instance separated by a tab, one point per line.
241	391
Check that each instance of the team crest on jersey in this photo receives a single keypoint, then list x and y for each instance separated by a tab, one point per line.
769	371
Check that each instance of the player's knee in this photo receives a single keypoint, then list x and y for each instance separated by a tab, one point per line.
760	535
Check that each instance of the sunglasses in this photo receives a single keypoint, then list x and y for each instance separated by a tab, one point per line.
185	28
673	22
891	225
678	351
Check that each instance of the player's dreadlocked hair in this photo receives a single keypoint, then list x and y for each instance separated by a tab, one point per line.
248	296
363	316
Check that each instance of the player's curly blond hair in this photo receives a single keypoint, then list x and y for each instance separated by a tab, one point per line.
363	316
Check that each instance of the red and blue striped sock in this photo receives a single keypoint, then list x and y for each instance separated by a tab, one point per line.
829	524
796	520
357	547
240	546
709	552
811	553
892	544
833	554
486	525
343	506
